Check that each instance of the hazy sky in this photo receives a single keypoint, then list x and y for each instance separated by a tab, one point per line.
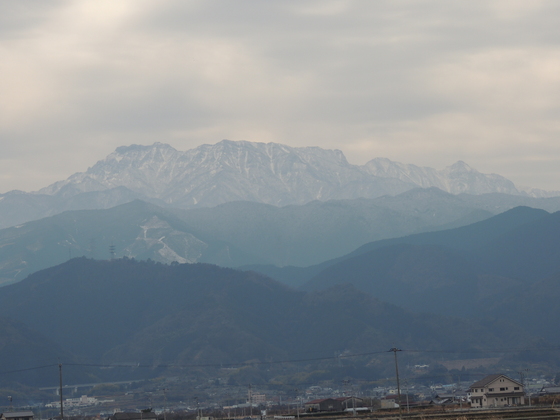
423	82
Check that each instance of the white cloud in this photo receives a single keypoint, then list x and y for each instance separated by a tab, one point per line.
425	82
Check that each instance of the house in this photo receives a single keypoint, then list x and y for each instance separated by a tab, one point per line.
143	415
350	402
550	390
324	404
389	402
17	415
333	404
496	391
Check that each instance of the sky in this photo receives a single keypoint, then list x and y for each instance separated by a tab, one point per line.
422	82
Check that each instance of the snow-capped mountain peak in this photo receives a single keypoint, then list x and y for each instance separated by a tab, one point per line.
227	171
460	166
456	179
270	173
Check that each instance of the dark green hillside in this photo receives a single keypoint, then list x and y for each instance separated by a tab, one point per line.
127	311
22	348
514	238
529	252
503	268
521	243
91	306
465	240
421	278
534	308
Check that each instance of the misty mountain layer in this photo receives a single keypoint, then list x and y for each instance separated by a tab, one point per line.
241	233
228	171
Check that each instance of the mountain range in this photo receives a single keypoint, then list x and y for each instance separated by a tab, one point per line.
131	262
228	171
241	234
506	267
180	318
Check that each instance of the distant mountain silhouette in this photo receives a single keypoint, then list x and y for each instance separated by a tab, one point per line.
237	234
505	267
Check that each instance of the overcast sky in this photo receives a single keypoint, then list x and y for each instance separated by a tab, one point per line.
423	82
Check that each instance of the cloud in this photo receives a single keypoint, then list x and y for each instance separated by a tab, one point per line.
425	82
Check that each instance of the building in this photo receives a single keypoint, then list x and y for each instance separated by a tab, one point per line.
257	399
496	391
142	415
17	415
549	390
323	404
333	404
390	401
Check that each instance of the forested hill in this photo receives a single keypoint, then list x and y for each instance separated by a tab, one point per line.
126	311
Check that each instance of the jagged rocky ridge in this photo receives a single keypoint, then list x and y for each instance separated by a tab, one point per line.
228	171
268	173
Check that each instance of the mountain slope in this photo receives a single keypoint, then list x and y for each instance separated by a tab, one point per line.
232	234
18	207
456	179
421	278
239	233
520	243
125	311
135	229
27	356
533	308
493	267
466	239
268	173
230	171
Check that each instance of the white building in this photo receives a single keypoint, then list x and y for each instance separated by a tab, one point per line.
496	391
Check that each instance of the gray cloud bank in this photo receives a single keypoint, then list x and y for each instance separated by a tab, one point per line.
423	82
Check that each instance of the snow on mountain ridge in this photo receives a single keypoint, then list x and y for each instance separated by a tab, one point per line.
241	170
456	179
270	173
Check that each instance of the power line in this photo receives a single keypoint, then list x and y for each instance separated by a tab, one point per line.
313	359
27	369
476	351
273	362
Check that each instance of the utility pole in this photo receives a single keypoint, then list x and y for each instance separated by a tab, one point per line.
528	390
345	382
297	405
250	401
407	405
395	350
164	404
460	393
60	391
197	409
525	389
